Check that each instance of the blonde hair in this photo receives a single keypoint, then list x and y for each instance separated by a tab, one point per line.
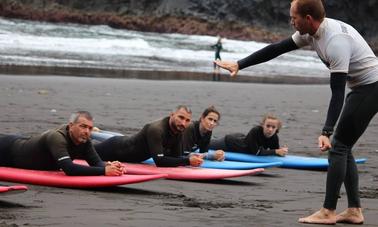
272	117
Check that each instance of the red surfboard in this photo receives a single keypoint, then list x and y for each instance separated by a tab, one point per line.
184	172
188	173
60	179
12	189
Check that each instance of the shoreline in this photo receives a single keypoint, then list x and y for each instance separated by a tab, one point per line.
155	75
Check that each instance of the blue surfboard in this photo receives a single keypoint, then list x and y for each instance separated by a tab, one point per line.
111	133
104	135
230	164
289	161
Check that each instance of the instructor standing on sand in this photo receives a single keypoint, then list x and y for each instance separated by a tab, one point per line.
350	61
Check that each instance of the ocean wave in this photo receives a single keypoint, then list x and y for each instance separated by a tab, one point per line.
71	45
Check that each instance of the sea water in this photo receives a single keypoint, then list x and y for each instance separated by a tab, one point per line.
34	43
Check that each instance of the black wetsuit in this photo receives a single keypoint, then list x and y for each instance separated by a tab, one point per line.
218	48
193	140
52	150
254	143
155	140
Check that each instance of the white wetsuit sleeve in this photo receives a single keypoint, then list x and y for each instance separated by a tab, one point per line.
300	40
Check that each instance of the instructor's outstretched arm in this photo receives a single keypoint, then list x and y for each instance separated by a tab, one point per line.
263	55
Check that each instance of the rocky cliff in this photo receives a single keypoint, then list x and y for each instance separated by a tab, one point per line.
260	20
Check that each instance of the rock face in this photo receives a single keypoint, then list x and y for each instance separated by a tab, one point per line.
262	20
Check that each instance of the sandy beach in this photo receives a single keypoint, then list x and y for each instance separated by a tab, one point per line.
278	197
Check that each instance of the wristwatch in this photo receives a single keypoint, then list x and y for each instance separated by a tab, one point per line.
327	133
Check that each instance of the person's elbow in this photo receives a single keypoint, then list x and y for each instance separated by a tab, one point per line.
161	162
70	172
165	162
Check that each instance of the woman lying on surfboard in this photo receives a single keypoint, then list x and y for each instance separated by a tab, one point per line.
261	140
198	135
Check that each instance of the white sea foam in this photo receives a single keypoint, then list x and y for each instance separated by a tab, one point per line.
40	43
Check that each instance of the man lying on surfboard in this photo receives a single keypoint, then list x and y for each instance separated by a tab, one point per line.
55	149
161	140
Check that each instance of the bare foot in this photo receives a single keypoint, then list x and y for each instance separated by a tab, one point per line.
323	216
351	216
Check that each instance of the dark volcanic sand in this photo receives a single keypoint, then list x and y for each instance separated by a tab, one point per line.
32	104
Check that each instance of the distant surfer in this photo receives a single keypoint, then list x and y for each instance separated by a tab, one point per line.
350	61
217	47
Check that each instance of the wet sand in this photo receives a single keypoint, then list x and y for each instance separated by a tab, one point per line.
246	77
278	197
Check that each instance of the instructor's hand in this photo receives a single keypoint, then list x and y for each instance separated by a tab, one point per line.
231	66
324	143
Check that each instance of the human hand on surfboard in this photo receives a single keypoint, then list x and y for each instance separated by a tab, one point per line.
324	143
231	66
114	168
217	155
282	151
196	159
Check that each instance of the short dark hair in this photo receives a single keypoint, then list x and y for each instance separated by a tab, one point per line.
210	109
82	113
314	8
186	108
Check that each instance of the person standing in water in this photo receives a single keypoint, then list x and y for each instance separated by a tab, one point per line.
218	47
350	61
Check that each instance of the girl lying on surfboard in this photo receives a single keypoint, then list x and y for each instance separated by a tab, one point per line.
261	140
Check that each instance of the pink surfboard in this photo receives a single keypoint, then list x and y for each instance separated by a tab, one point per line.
188	173
60	179
12	189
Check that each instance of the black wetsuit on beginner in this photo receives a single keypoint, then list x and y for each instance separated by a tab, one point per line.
254	143
155	140
52	150
193	140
